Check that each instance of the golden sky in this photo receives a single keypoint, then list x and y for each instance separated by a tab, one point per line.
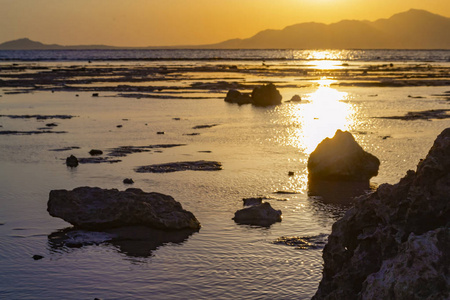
139	23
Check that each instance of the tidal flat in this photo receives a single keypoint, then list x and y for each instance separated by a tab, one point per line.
163	112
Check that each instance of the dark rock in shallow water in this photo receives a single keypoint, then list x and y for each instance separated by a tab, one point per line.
234	96
200	165
252	201
340	166
15	132
98	160
261	215
95	152
422	115
394	243
295	98
128	181
125	150
72	161
305	242
204	126
38	117
96	208
266	95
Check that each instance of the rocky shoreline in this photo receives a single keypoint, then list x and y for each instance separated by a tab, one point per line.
394	243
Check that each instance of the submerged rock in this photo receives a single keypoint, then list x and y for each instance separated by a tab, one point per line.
261	214
96	208
200	165
340	166
305	242
394	243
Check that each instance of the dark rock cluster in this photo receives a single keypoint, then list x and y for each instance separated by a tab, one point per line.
394	243
265	95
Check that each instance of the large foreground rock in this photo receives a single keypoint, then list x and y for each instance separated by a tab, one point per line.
394	243
96	208
340	166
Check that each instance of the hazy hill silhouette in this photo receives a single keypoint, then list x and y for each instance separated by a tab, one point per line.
414	29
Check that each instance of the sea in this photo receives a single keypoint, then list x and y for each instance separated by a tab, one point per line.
263	152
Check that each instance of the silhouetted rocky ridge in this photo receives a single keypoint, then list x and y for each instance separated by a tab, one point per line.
394	243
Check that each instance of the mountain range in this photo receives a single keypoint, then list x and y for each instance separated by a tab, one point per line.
413	29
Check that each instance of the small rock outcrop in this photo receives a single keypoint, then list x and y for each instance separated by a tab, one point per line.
96	208
340	163
234	96
265	95
95	152
261	215
394	243
72	161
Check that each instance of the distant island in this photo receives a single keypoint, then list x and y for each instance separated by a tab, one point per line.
414	29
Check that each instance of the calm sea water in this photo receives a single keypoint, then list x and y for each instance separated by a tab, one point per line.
175	54
258	147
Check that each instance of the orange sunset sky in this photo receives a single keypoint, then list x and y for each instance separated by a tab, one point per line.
140	23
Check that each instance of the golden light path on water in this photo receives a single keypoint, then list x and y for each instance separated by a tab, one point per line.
318	116
324	112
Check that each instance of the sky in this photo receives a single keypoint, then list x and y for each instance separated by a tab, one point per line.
141	23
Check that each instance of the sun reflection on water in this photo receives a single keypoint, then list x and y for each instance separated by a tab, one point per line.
325	111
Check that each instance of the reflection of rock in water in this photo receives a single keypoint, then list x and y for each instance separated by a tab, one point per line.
305	242
136	241
336	191
340	169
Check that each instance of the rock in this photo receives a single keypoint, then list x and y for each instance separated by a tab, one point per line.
72	161
393	244
95	152
200	165
295	98
119	126
428	115
37	257
98	160
266	95
305	242
128	181
51	124
160	132
95	95
96	208
234	96
252	201
204	126
260	215
340	164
